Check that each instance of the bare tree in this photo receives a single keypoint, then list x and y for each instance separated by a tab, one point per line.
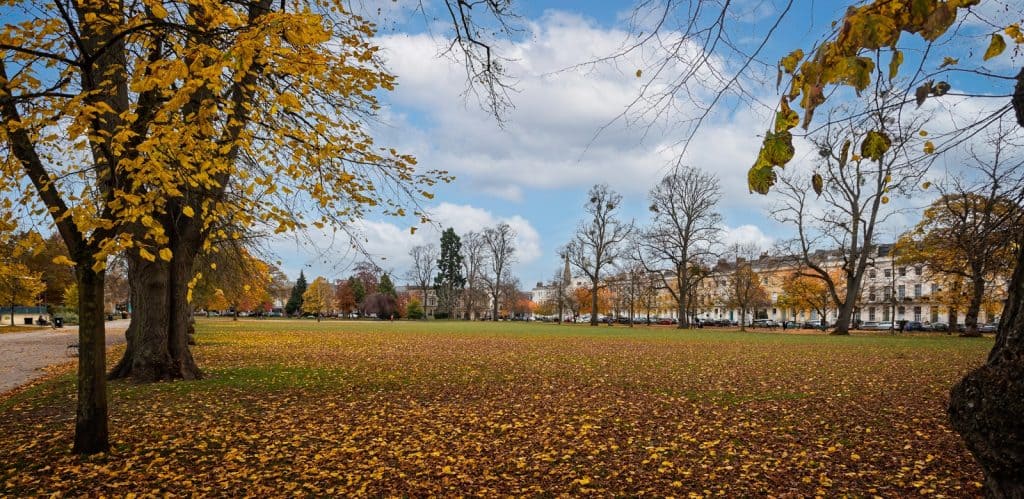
685	229
855	188
474	258
421	273
599	241
501	253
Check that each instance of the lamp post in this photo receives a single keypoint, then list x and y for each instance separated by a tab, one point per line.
566	276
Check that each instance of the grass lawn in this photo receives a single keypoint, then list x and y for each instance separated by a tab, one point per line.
378	408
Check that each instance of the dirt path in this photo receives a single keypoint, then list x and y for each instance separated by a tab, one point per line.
24	355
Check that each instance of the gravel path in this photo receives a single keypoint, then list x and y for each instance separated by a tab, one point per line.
24	355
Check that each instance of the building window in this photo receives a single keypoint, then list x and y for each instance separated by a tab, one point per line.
871	293
901	291
935	288
887	293
903	271
917	291
917	270
872	273
888	272
917	314
901	312
935	314
871	313
885	314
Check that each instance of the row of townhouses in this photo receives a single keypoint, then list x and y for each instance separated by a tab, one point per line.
890	292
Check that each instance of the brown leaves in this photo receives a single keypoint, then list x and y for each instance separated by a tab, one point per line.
414	409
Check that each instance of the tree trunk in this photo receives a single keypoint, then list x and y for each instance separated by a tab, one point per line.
91	433
593	303
743	319
843	320
682	278
987	406
974	308
158	335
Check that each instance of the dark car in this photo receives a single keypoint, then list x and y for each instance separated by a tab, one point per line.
790	325
988	328
811	325
622	320
915	326
939	326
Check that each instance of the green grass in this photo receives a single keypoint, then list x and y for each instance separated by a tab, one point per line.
513	408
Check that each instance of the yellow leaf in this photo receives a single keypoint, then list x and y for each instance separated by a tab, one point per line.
159	11
146	255
885	199
63	260
213	266
995	47
166	254
188	211
929	147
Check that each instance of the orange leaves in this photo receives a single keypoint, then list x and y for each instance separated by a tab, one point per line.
430	409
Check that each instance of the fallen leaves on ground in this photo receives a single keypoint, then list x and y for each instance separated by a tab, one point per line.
422	409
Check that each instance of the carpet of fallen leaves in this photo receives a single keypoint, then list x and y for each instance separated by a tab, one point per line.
401	409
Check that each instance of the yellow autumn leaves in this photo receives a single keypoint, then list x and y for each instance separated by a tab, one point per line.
448	408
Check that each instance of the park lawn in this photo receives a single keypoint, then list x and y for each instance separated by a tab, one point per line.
421	408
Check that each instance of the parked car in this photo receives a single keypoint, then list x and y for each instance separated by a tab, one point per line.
811	325
939	326
790	325
768	323
988	328
915	326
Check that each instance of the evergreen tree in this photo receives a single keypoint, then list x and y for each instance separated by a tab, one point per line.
295	301
386	287
358	290
449	280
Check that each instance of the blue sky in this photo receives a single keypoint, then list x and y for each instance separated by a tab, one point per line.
535	171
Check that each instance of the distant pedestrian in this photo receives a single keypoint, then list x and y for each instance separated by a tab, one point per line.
783	325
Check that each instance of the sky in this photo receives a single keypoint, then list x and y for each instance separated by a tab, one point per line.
565	132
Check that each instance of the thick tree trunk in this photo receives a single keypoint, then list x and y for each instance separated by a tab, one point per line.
974	308
987	406
91	433
842	327
158	336
593	303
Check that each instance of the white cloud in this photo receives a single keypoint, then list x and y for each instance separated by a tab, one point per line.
331	254
747	234
549	140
